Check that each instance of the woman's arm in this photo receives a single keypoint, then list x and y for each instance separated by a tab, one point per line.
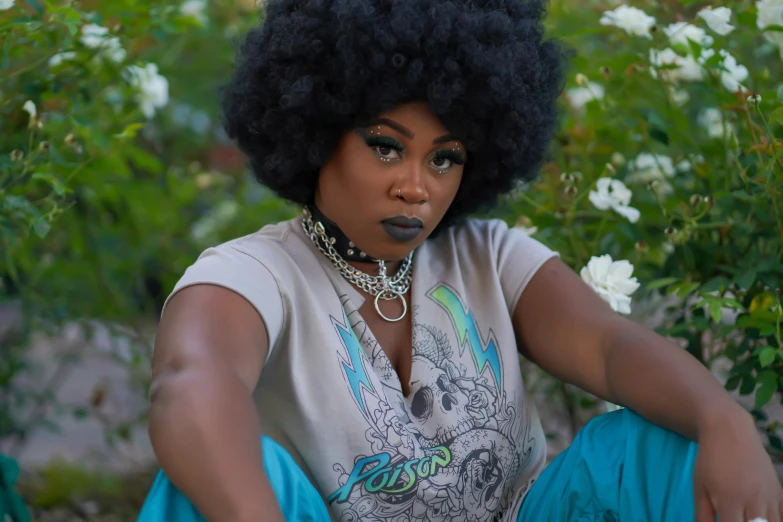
569	331
209	352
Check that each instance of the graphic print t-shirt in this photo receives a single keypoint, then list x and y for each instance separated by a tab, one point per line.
465	444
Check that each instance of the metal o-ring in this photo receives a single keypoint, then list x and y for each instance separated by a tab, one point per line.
404	307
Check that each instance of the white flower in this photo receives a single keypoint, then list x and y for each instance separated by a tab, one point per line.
59	58
153	89
711	120
717	19
578	97
195	9
93	35
612	281
732	73
770	12
97	37
680	96
685	68
613	194
632	20
6	4
652	167
30	108
681	32
684	165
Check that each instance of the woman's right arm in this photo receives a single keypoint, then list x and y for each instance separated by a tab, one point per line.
210	349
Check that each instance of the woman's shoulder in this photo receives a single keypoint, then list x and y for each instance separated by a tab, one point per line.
270	246
481	235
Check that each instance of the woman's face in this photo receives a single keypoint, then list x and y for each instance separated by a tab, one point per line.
388	185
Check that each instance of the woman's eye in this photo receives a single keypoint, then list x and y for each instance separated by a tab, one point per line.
386	152
442	163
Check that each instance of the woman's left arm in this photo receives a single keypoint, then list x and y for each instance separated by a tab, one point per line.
569	331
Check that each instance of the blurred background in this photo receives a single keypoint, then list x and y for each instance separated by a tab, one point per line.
115	175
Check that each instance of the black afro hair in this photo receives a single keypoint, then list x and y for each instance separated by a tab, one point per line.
315	69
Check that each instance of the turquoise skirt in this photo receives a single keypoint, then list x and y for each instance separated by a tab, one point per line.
620	467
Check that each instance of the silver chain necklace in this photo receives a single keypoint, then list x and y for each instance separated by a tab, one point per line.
381	286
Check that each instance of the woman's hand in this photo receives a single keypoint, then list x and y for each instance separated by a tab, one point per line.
734	478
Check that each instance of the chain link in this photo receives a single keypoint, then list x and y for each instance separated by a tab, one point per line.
381	285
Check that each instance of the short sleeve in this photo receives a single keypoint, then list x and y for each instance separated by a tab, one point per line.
236	270
518	258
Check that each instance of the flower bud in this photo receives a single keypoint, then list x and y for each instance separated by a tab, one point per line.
566	177
70	139
44	146
605	72
581	80
641	247
617	159
17	155
523	222
670	231
652	185
570	190
609	169
696	200
754	99
709	201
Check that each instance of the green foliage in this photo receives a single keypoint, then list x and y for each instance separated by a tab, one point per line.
704	164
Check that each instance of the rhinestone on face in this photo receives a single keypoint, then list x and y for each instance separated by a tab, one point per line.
350	244
332	240
350	251
362	254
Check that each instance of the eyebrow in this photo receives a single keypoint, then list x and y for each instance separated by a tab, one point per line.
408	133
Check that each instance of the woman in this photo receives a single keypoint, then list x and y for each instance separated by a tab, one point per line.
360	362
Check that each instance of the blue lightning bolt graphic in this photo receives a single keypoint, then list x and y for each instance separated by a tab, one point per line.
467	330
354	366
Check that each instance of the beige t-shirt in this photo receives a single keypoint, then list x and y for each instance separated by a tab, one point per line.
465	444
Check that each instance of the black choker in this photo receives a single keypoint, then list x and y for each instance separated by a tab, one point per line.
340	241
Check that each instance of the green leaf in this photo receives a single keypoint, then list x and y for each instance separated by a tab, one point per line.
746	279
685	290
733	382
780	93
659	135
769	385
660	283
716	311
54	181
767	356
130	131
41	227
37	6
777	115
715	284
748	385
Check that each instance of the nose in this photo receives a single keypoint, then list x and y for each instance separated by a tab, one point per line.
410	188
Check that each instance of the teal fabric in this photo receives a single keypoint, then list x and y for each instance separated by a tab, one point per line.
298	499
11	504
620	467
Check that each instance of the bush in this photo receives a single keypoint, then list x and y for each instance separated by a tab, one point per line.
670	159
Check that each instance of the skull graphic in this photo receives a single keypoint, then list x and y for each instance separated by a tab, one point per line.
438	407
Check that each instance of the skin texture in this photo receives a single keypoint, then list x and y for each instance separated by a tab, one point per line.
211	345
